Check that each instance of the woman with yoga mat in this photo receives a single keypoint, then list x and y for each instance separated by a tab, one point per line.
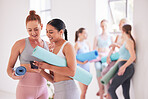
125	64
64	86
31	85
101	43
82	46
118	40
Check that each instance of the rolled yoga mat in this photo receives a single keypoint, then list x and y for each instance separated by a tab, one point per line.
113	57
87	56
106	78
19	71
81	75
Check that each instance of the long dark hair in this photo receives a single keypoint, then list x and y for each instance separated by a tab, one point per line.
59	25
127	28
80	30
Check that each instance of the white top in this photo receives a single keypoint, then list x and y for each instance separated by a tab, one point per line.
60	53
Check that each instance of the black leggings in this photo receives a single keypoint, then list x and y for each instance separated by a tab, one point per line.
123	80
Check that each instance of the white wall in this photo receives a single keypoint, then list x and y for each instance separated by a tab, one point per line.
12	23
140	27
76	14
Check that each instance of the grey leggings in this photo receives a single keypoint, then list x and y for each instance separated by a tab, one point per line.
123	80
66	90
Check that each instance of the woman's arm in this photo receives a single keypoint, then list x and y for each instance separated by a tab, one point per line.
47	76
111	51
130	48
15	51
70	56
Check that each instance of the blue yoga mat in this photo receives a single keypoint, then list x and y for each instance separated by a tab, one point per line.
113	57
87	56
81	75
19	71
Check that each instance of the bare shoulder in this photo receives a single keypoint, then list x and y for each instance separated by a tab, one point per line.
130	43
68	45
19	45
20	42
76	43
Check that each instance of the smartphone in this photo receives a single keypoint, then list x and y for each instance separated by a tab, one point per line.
32	65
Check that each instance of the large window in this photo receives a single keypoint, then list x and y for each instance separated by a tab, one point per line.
120	9
43	8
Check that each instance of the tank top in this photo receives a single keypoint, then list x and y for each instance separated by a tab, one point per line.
26	56
84	48
123	52
104	43
31	79
60	53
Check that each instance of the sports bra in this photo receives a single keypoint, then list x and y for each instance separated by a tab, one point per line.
26	56
104	43
123	52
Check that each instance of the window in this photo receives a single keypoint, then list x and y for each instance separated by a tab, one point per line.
120	9
42	8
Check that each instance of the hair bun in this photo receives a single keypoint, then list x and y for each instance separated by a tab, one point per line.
32	12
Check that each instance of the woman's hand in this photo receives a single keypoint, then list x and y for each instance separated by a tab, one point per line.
108	59
113	45
85	62
41	65
13	76
51	46
121	70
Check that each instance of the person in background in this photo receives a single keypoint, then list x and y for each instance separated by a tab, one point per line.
101	43
82	46
119	40
125	64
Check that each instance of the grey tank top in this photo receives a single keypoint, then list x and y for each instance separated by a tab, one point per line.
26	56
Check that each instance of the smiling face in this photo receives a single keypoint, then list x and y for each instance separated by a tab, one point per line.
34	29
83	35
53	34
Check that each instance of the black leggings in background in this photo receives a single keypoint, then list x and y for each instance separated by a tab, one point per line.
123	80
